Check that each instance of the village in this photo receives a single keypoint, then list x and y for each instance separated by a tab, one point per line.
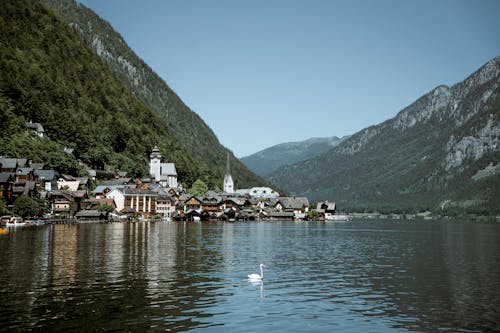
105	196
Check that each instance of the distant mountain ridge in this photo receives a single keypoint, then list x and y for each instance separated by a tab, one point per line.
268	160
191	132
441	152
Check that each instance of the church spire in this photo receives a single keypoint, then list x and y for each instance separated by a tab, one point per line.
228	167
228	179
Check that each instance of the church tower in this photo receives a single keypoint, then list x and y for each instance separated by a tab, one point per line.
228	179
155	163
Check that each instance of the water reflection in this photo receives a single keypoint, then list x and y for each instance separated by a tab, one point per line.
373	276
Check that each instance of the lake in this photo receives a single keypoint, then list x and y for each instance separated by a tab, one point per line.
361	276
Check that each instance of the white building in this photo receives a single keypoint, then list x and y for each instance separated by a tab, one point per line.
163	173
259	192
165	206
118	196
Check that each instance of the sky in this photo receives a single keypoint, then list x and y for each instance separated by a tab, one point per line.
264	72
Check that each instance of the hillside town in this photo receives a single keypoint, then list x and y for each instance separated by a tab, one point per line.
105	196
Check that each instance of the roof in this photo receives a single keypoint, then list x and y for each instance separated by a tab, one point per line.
326	206
101	202
168	169
35	126
91	213
8	163
138	191
5	177
23	171
235	201
78	194
37	166
294	202
83	180
45	174
281	214
164	198
101	188
117	181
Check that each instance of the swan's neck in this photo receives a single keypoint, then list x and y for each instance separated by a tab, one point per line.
261	272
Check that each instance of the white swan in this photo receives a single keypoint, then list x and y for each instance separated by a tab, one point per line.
257	277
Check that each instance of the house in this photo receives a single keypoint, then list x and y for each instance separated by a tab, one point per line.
44	178
91	216
326	209
94	203
60	203
24	174
231	203
68	185
36	128
282	216
299	206
8	164
165	206
24	188
193	203
210	204
117	196
143	202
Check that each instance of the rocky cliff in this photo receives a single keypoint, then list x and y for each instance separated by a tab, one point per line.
191	132
444	147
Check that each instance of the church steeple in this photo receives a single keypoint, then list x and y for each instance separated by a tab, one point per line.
228	179
155	163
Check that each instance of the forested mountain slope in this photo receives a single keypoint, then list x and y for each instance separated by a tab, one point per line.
190	131
266	161
48	75
442	152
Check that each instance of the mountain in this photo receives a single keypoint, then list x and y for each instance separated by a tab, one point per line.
50	76
91	92
266	161
191	132
442	152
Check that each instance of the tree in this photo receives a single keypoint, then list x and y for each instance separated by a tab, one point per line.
106	208
199	188
25	206
3	209
312	215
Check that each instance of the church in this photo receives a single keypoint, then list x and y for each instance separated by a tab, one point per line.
163	173
228	179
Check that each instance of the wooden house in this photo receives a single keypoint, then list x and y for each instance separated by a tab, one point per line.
6	186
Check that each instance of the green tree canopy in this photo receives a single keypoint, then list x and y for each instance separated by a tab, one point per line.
26	206
199	188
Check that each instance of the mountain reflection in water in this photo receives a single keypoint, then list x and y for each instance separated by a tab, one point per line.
350	277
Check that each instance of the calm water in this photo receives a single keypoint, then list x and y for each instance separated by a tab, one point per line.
366	276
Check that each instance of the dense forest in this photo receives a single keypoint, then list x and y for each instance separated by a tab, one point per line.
192	133
51	76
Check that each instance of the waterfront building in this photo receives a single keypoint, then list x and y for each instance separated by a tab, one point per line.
165	206
142	202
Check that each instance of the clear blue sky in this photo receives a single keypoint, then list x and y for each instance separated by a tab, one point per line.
264	72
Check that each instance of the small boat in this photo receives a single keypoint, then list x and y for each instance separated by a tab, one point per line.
4	231
16	221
